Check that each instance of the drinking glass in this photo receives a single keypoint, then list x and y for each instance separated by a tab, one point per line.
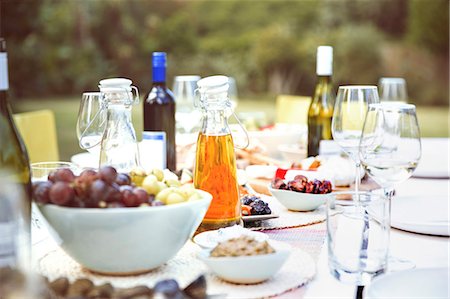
357	236
91	122
393	90
187	117
349	114
390	150
41	170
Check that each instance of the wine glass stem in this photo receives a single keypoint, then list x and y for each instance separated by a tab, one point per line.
389	192
357	178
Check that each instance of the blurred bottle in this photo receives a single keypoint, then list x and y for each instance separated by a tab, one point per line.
320	111
15	168
159	110
392	90
215	167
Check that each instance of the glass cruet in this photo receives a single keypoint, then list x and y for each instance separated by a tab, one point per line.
215	167
118	146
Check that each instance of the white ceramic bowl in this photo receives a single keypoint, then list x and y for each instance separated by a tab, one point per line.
248	269
298	201
125	240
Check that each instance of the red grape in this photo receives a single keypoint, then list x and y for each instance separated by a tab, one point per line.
141	195
98	190
61	193
129	199
41	191
113	193
123	179
64	175
108	174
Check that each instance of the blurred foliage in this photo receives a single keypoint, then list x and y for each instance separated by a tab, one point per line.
66	47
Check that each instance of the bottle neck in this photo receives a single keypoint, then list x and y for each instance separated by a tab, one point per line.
324	79
215	122
159	75
323	93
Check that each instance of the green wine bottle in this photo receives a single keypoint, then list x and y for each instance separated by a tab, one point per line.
14	163
320	111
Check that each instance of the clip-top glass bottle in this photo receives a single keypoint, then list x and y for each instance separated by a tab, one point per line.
119	146
215	168
159	108
13	161
320	111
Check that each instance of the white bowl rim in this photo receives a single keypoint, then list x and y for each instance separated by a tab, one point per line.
198	239
205	197
297	192
278	246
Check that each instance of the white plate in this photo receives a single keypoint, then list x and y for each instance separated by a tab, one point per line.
421	214
434	162
210	239
416	283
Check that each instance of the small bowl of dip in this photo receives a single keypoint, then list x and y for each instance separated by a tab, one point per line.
245	259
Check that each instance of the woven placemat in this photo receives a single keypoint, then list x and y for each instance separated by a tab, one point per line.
298	270
287	218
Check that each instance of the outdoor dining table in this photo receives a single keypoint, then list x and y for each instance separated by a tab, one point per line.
423	251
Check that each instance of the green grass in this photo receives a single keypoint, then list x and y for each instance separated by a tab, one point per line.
433	121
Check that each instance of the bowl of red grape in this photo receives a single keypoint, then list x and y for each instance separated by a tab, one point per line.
120	223
301	194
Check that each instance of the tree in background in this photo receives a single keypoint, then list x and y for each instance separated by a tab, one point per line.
65	47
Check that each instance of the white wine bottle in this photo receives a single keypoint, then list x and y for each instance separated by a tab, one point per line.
320	111
14	164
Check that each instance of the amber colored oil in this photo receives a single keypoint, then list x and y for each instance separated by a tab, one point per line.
215	172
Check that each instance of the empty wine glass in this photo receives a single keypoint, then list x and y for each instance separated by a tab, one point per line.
393	90
91	122
349	114
390	150
187	117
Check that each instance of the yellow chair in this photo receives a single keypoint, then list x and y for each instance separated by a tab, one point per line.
292	109
38	130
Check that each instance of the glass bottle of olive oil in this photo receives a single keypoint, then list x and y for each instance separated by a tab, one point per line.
215	167
320	111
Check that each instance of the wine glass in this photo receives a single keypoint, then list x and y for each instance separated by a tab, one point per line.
349	114
91	122
390	150
187	117
393	90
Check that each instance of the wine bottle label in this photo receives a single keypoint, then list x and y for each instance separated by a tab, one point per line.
153	150
4	83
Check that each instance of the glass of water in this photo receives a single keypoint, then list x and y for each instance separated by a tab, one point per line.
358	236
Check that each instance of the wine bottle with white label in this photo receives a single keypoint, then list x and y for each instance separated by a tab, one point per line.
320	111
159	111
